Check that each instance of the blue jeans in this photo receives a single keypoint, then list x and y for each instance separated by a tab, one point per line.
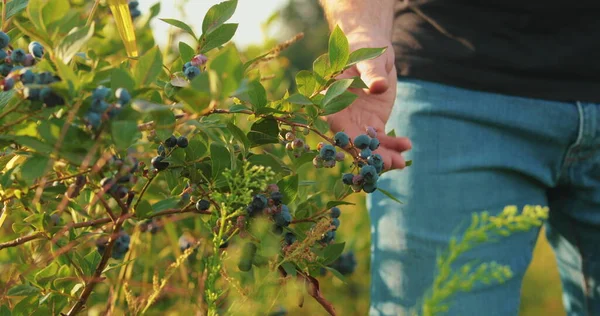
476	151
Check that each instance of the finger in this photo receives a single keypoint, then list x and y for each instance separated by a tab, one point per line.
391	158
374	74
399	144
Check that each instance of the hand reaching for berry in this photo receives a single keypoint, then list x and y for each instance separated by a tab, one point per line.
374	105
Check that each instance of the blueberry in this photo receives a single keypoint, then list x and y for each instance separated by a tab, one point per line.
184	243
335	222
186	66
27	77
327	152
36	49
290	238
123	95
161	150
29	60
199	60
121	192
374	144
45	78
335	212
182	142
159	164
278	230
125	179
108	184
171	142
52	99
369	187
9	83
283	218
277	197
202	205
317	162
93	119
100	93
135	13
365	153
362	141
369	174
289	136
345	264
371	131
340	156
259	202
99	106
297	143
133	5
3	55
191	72
328	237
347	178
55	219
341	139
329	163
5	69
375	160
4	40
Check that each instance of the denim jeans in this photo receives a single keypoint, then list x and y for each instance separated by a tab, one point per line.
475	151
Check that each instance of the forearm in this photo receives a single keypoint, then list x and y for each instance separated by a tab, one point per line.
361	16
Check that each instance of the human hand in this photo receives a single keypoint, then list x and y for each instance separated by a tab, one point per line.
373	105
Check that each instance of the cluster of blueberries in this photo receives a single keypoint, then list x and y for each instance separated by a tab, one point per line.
369	172
118	184
99	105
15	66
133	9
280	213
334	214
328	156
120	247
345	263
295	144
192	68
165	150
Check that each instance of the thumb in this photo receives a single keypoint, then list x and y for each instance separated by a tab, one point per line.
375	74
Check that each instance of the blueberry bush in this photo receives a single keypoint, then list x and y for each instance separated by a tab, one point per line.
134	179
109	142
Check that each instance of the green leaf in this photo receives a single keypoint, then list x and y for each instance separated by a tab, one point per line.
148	67
358	83
120	78
195	149
288	186
239	135
181	25
34	9
164	123
339	103
124	133
221	159
332	252
339	50
289	268
307	83
74	42
392	133
186	52
321	66
300	99
217	15
196	96
337	274
388	194
143	209
264	131
336	89
257	95
165	204
218	37
409	163
331	204
91	261
34	168
4	311
144	106
14	7
67	74
362	54
267	161
228	72
22	290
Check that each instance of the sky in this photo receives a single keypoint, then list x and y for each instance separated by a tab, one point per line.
249	14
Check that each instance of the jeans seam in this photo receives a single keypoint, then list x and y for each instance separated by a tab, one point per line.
570	155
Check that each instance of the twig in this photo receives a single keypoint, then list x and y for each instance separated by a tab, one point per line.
146	185
22	240
92	13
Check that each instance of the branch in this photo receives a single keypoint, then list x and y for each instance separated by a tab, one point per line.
314	290
22	240
189	209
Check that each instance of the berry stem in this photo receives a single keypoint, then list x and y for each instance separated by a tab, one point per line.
144	188
92	13
22	240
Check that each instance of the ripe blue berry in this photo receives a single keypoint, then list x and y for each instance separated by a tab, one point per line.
93	119
171	142
347	178
374	144
121	192
4	40
341	139
259	202
186	66
133	5
159	164
365	153
9	83
202	205
290	238
100	93
29	60
3	55
27	77
327	153
135	13
369	187
283	218
191	72
182	142
52	99
36	49
328	237
161	150
123	95
5	69
335	222
335	212
362	141
345	264
375	160
18	56
277	197
99	106
369	174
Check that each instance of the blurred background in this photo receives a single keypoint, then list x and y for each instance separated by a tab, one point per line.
263	24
